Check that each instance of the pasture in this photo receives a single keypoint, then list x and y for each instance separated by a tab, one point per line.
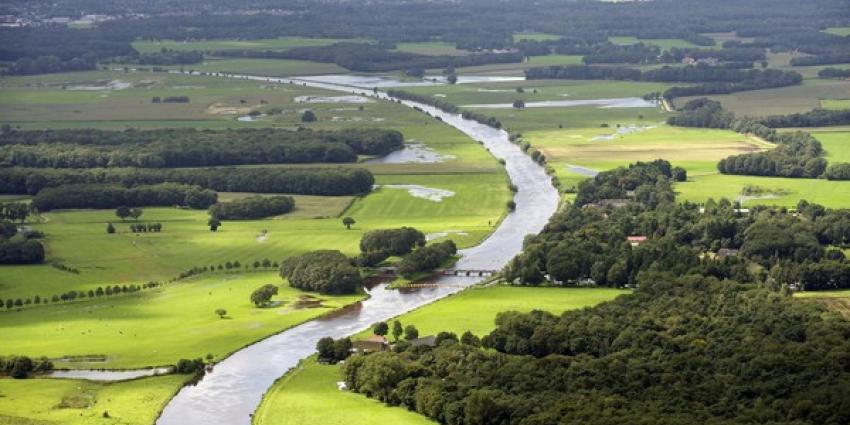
835	143
138	330
786	191
783	100
309	395
77	402
663	43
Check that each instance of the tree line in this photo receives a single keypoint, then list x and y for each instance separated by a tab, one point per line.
711	79
363	57
304	181
91	148
837	73
252	207
445	106
105	196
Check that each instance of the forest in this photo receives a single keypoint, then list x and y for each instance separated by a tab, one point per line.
252	207
189	147
97	196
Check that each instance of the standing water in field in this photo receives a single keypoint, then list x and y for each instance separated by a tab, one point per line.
231	392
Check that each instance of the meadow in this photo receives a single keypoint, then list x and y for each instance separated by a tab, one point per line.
783	100
663	43
309	394
76	402
138	330
836	144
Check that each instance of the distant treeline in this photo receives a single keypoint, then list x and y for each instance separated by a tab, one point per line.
711	79
364	57
834	73
103	196
168	57
798	154
445	106
253	207
304	181
828	59
813	118
190	148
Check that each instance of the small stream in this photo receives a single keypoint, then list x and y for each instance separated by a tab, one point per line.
231	392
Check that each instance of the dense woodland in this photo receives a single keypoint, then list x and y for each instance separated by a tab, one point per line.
710	335
303	181
253	207
189	147
104	196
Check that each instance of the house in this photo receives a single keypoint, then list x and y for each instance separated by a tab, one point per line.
636	240
606	203
372	344
726	252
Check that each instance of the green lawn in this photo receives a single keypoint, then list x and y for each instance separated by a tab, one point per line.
160	326
283	43
308	394
73	402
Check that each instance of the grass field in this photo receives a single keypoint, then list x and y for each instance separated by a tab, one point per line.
843	31
835	103
697	150
73	402
836	144
283	43
434	48
838	301
834	194
663	43
534	36
139	330
308	395
784	100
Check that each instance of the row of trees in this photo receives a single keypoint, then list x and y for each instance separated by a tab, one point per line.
364	57
834	73
304	181
91	148
73	295
20	367
253	207
105	196
15	211
445	106
813	118
711	80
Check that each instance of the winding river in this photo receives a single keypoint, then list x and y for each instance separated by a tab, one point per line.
231	392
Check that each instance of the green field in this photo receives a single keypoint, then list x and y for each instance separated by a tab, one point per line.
534	36
696	150
835	103
836	144
834	194
663	43
73	402
308	395
783	100
434	48
139	330
283	43
843	31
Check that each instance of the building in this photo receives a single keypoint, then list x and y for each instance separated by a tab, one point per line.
636	240
372	344
427	341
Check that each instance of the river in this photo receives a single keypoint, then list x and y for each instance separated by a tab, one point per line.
231	392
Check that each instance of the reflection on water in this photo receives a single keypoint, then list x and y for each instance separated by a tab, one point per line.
108	375
232	391
370	81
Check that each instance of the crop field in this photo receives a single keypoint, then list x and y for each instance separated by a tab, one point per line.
784	100
663	43
836	144
77	402
309	394
282	43
138	330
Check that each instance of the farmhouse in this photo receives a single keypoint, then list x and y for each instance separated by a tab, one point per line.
636	240
372	344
